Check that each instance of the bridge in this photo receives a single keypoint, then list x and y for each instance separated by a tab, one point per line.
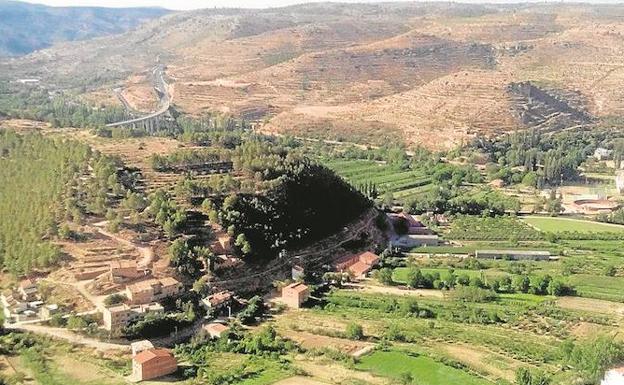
155	120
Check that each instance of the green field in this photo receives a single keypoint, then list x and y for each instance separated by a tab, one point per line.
600	287
424	370
403	184
559	225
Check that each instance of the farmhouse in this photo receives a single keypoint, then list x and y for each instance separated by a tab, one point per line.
409	241
295	294
514	255
218	302
153	363
215	329
118	317
153	290
358	265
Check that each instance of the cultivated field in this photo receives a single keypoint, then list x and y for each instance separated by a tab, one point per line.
558	225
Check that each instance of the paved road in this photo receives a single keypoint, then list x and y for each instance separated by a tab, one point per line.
165	99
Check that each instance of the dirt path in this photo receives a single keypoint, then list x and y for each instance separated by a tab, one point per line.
146	252
367	287
298	380
67	335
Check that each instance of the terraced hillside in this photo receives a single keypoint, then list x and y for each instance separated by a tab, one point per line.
425	74
403	184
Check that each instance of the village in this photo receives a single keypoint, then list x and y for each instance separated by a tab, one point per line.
122	290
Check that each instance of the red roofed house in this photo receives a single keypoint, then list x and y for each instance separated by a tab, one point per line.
215	329
295	294
153	363
358	265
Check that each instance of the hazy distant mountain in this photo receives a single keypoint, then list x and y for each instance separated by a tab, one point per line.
28	27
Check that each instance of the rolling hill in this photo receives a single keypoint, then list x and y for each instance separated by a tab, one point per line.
431	74
25	28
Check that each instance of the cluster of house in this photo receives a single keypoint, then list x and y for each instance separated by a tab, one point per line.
143	298
417	233
24	303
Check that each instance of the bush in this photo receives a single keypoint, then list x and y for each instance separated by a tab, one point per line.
354	331
114	299
385	276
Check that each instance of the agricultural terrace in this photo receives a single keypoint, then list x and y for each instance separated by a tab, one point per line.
451	340
465	227
403	184
561	225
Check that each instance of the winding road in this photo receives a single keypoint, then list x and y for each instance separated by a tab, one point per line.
165	99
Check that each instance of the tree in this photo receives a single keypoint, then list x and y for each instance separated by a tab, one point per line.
556	288
114	299
521	283
354	331
75	322
385	276
254	309
183	259
415	278
243	244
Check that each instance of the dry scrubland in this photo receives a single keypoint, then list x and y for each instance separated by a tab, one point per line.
425	74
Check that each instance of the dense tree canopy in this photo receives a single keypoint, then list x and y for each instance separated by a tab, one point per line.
35	172
309	202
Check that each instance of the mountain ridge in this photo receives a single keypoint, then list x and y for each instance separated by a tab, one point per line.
29	27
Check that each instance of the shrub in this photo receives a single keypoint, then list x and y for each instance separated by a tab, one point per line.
354	331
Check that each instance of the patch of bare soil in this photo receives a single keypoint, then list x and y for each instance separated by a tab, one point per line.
591	305
368	287
299	380
482	360
337	374
315	341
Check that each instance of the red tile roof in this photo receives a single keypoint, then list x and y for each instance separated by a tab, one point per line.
359	268
150	354
369	258
215	327
297	287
